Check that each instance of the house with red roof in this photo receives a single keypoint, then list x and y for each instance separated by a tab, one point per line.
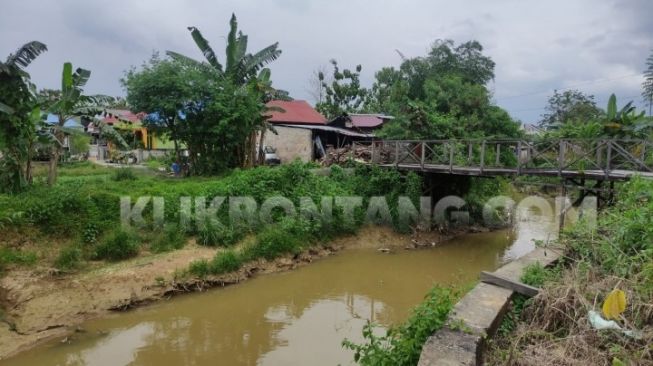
302	132
361	122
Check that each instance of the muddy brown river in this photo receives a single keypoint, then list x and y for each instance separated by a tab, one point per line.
298	317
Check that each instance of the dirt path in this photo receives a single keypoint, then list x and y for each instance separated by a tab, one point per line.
40	306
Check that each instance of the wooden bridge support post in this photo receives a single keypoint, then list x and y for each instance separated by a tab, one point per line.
498	154
519	157
482	156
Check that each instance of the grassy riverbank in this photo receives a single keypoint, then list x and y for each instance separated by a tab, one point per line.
553	327
78	220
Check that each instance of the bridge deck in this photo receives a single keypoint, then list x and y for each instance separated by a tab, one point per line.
596	159
489	172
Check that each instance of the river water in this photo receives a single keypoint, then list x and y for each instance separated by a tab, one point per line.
298	317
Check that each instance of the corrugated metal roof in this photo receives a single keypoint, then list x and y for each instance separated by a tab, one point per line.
341	131
296	111
368	120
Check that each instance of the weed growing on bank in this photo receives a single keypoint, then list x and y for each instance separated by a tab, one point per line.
402	345
554	328
83	209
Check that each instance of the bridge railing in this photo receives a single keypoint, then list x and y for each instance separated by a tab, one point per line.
518	156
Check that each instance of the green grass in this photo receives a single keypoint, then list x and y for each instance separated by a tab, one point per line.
118	245
10	256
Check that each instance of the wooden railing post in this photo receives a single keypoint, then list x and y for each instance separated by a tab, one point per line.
483	155
609	158
561	156
396	153
469	154
519	157
498	154
372	156
451	144
423	157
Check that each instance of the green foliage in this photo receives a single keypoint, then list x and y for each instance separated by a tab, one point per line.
570	107
278	239
537	275
344	94
647	84
200	268
124	174
402	345
225	262
171	238
69	258
441	96
18	130
11	256
223	236
118	245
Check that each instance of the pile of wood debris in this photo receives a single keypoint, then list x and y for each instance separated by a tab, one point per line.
346	153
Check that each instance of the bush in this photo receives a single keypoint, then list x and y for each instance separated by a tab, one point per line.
200	268
171	238
402	345
222	236
69	258
273	241
225	262
124	174
118	245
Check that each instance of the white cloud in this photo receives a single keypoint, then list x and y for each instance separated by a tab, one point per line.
537	46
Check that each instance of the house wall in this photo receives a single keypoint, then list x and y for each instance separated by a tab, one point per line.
290	143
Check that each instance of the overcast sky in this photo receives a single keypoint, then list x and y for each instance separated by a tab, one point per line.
596	46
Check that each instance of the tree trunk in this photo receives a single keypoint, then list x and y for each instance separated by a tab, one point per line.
52	166
260	157
56	154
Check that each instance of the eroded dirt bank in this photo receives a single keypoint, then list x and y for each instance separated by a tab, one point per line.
39	306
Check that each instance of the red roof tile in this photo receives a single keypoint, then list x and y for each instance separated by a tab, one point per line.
120	115
296	111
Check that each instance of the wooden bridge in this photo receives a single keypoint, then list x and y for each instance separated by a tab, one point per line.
594	159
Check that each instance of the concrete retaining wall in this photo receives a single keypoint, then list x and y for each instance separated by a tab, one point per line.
477	316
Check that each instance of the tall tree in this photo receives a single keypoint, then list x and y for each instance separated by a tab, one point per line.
71	102
344	94
570	106
18	108
441	95
647	85
242	69
162	88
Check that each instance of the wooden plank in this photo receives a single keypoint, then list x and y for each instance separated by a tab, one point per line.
500	281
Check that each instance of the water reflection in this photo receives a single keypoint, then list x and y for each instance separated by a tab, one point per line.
294	318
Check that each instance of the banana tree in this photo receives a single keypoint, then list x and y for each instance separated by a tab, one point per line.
17	104
240	66
72	103
243	69
624	122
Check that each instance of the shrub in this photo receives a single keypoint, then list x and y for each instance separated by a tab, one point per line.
118	245
273	241
200	268
224	262
223	236
69	258
402	345
171	238
124	174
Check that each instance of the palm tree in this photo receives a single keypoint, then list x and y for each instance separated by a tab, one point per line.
17	108
647	85
72	103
